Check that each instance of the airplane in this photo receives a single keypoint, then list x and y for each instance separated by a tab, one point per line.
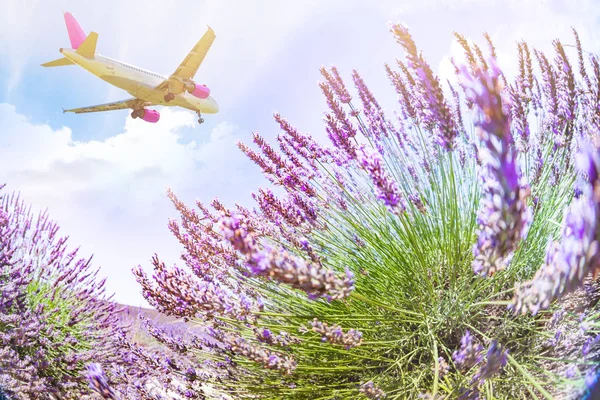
146	87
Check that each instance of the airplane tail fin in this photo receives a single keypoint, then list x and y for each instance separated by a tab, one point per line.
88	47
80	42
76	33
61	62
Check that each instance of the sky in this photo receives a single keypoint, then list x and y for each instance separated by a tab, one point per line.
103	176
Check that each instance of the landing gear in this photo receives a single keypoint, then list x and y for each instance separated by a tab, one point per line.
139	113
200	119
169	97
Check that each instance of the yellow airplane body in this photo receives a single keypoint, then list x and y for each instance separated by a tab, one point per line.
147	88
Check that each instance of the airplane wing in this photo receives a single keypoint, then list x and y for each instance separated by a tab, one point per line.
117	105
188	68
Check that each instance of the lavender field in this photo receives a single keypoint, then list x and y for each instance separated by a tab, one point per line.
445	246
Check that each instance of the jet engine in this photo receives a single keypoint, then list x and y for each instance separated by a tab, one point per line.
151	116
200	91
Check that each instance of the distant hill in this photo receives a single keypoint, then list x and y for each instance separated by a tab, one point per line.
131	313
139	334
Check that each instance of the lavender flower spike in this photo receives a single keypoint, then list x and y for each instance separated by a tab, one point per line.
577	254
283	267
470	353
566	263
99	382
371	391
335	335
496	360
387	188
504	217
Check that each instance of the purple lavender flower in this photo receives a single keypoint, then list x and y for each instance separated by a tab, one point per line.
435	112
378	125
50	334
371	391
591	379
571	372
550	90
589	344
282	266
504	216
335	335
578	253
337	84
405	96
557	317
470	353
387	188
443	369
566	263
554	341
340	129
99	382
567	97
415	199
495	360
284	339
180	294
240	346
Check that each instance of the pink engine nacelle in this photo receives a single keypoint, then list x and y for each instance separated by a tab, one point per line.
151	116
200	91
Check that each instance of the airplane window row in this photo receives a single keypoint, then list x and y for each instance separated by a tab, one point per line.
144	72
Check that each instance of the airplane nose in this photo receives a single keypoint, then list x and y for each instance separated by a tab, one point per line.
214	105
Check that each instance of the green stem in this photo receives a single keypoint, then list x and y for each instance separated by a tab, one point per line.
437	366
493	303
376	303
529	378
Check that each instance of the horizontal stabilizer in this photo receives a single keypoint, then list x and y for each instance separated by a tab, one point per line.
88	47
61	62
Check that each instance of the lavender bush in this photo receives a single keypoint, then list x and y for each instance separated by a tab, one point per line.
382	266
55	316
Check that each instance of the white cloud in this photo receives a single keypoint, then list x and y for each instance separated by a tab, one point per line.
157	35
538	24
15	39
399	9
109	196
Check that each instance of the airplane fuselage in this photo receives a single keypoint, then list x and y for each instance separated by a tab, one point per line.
138	82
